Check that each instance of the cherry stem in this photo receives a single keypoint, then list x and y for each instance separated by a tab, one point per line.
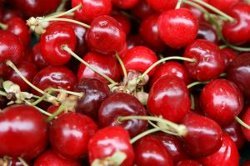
68	50
143	134
125	74
237	48
163	60
61	6
66	12
3	26
22	161
178	5
66	91
58	112
195	83
3	93
39	109
192	102
242	123
165	131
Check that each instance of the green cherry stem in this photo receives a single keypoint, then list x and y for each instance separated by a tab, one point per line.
61	7
22	161
178	5
191	85
125	73
58	112
165	131
3	26
143	134
78	94
39	109
242	123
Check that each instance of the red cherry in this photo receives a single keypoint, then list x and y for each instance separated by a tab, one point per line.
105	35
125	4
229	56
37	57
91	9
23	132
11	13
142	10
189	163
134	40
169	97
56	36
108	141
222	101
246	119
72	130
202	132
187	29
52	159
223	5
107	65
227	155
123	20
150	151
122	104
209	62
246	163
161	5
207	32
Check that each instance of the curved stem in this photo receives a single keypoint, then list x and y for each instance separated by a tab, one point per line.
3	26
67	49
61	7
125	74
143	134
178	5
165	131
242	123
195	83
78	94
39	109
3	93
22	161
237	48
58	112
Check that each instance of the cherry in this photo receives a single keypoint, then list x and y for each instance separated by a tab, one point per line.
150	151
225	5
139	58
122	104
142	10
95	92
150	33
123	20
28	70
91	9
125	4
134	40
105	35
227	155
246	163
207	32
23	132
187	29
113	140
202	132
37	57
51	42
188	163
161	5
246	119
209	62
11	47
222	101
238	32
229	55
169	97
107	65
72	130
51	158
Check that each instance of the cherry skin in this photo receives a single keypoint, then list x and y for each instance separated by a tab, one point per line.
122	104
11	47
20	123
169	98
225	5
189	163
107	65
125	4
123	20
139	58
202	132
207	32
142	10
227	155
187	29
91	9
95	92
229	56
51	42
209	62
246	119
72	130
150	151
222	101
238	32
108	141
134	40
105	35
37	57
161	5
51	158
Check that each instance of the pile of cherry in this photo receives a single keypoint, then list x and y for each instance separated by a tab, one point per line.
124	82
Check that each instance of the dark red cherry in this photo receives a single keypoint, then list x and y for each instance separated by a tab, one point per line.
95	92
125	4
187	29
37	57
246	119
222	101
207	32
188	163
122	104
56	77
28	70
161	5
227	155
70	134
238	32
225	5
91	9
11	13
51	42
123	20
204	135
229	56
150	33
107	65
105	35
108	141
142	10
169	98
209	62
53	159
246	163
150	151
139	58
134	40
23	132
11	47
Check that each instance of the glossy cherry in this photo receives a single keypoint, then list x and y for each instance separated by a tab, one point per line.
202	132
20	123
169	98
105	35
53	159
246	119
142	10
51	42
37	57
188	163
209	62
187	29
125	4
150	151
123	20
108	141
70	134
91	9
134	40
207	32
229	56
95	92
122	104
161	5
